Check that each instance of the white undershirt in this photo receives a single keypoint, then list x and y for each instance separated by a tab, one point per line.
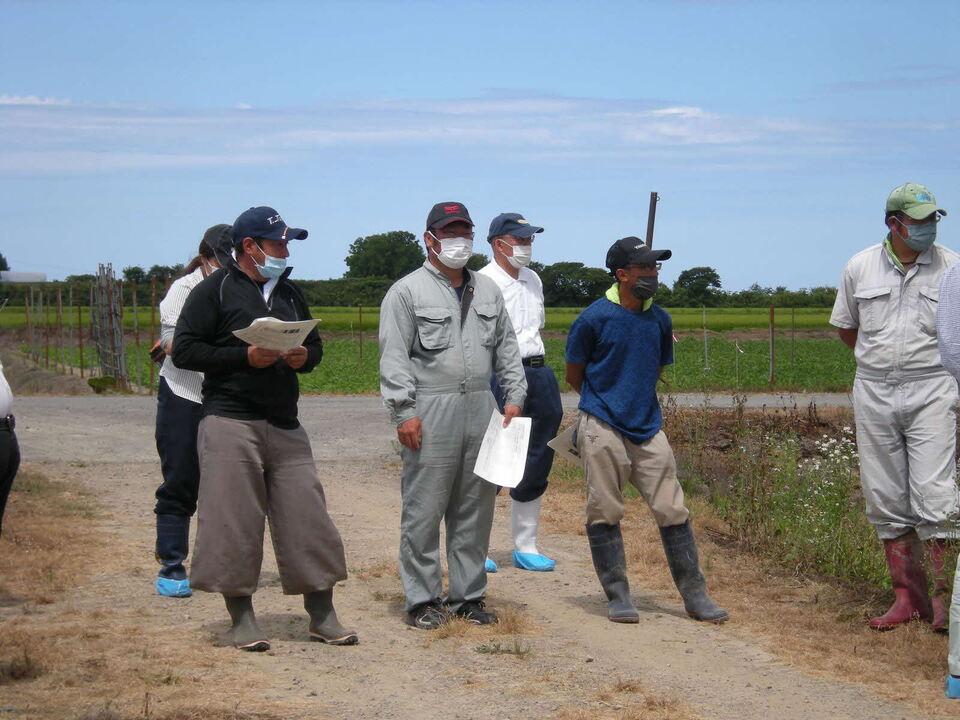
523	299
6	395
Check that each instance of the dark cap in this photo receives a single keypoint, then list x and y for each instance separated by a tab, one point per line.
633	251
444	213
511	224
264	223
219	237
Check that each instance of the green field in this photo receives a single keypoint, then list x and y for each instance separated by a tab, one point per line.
806	365
809	364
352	319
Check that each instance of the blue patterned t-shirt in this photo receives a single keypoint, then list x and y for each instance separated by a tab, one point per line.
623	352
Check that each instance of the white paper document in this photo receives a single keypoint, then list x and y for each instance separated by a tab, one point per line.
564	446
503	453
272	334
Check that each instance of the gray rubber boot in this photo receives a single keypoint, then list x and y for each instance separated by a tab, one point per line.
681	551
610	562
324	625
245	633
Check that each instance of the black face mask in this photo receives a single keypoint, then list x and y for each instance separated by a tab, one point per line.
645	287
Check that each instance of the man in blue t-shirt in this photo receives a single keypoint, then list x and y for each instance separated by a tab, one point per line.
616	350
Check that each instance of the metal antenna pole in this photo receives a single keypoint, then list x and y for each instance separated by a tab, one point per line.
651	217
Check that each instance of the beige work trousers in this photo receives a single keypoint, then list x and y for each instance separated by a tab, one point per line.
249	470
610	461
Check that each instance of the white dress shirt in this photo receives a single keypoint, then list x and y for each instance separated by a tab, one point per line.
523	299
183	383
6	395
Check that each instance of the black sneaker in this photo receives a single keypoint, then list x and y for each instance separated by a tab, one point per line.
428	616
473	612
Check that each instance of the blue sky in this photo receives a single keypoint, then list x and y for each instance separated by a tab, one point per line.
773	131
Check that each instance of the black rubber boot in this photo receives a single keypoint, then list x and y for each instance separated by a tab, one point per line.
173	545
324	625
681	551
245	632
610	562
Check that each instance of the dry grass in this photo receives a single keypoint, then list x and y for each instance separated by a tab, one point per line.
192	713
510	621
382	569
388	597
62	660
47	530
817	625
630	700
514	622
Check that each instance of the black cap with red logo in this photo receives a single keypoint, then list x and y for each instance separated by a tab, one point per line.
444	213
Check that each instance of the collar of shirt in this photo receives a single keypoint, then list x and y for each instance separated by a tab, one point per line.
613	295
504	277
922	259
467	275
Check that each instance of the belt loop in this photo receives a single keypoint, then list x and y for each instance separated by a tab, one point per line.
463	386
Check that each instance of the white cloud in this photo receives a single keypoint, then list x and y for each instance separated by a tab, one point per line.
85	138
85	161
30	100
683	112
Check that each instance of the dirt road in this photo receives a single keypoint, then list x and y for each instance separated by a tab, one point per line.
575	660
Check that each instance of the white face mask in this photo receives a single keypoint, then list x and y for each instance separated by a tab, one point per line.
454	252
522	254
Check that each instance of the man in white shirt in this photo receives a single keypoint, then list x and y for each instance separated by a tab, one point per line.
9	449
511	240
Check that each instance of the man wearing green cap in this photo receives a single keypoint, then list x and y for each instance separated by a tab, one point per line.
904	401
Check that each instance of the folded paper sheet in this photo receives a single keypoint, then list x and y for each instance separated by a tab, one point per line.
565	445
272	334
503	453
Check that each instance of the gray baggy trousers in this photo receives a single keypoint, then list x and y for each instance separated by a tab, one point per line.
250	469
438	484
906	437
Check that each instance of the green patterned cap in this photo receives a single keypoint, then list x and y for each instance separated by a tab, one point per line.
914	200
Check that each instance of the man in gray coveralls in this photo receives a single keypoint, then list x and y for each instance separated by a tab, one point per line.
443	332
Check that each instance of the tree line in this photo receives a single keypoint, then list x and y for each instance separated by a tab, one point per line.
374	262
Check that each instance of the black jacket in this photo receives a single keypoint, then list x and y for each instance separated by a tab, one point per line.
229	300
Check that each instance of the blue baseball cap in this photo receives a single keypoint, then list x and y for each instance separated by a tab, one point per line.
264	223
511	224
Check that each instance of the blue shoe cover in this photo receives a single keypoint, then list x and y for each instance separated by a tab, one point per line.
532	561
173	588
953	687
490	566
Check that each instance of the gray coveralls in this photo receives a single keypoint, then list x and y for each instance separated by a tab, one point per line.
436	358
904	400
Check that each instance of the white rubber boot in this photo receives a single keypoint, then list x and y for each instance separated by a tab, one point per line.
525	518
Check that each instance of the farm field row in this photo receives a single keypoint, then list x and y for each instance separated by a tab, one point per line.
803	365
366	319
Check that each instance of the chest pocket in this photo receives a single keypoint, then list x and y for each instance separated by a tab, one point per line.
486	323
872	307
928	299
434	328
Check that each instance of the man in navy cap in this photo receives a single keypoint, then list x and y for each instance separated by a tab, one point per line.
616	350
511	239
255	457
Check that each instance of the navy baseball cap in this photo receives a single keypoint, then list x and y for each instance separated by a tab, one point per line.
444	213
264	223
511	224
633	251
